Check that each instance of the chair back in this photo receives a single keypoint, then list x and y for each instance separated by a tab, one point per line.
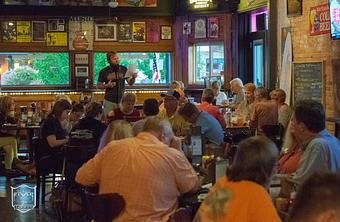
275	133
104	207
236	135
37	150
79	153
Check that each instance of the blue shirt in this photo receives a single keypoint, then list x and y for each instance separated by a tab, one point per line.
322	153
334	150
210	128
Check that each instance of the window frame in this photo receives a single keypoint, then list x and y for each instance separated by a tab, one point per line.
192	57
42	87
139	86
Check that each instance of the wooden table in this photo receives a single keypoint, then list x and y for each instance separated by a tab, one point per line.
32	130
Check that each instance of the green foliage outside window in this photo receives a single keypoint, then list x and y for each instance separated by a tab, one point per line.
143	62
25	69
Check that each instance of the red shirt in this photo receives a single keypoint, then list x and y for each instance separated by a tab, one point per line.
212	110
119	115
288	163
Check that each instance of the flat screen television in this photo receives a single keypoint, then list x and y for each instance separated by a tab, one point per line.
334	7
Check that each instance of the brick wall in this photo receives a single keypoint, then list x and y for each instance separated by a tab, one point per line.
310	48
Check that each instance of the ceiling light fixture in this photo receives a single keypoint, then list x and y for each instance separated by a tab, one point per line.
200	3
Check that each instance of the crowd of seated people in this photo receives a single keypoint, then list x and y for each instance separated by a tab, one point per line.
139	154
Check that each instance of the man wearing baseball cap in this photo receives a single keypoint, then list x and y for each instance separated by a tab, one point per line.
171	101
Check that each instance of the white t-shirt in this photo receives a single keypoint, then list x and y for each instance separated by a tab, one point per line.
220	98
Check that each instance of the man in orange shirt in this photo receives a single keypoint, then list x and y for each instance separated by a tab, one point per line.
145	170
265	111
241	195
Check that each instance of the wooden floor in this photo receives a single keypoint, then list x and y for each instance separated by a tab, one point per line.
44	213
8	214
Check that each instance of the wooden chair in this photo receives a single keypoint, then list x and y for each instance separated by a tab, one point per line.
43	176
275	133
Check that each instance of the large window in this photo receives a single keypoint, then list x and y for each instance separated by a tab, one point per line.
34	69
153	68
201	56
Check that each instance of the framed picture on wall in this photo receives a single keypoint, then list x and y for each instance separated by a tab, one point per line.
124	32
52	25
186	28
166	33
294	8
9	31
105	32
81	58
81	71
213	27
38	31
200	28
152	31
138	31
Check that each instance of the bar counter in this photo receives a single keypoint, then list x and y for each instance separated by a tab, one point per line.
28	96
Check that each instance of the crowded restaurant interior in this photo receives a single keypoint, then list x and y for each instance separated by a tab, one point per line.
169	110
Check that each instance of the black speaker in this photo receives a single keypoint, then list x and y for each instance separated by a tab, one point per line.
261	22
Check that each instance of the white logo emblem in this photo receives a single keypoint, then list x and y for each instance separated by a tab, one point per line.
23	197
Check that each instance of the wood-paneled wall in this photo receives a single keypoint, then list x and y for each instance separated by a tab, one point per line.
183	42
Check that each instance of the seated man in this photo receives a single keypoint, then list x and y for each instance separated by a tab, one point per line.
279	96
210	127
145	170
265	111
321	151
150	108
318	199
207	106
171	102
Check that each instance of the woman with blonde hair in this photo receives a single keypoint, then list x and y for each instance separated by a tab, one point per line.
126	110
117	130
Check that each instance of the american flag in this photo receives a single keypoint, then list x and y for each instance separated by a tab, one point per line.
155	73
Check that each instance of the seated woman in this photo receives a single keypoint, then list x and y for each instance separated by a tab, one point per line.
246	107
207	106
117	130
291	154
92	121
219	96
76	113
53	136
8	142
241	195
126	110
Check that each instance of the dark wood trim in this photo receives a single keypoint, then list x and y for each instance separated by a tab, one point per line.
164	8
271	44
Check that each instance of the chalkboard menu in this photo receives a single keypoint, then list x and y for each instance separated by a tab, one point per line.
307	81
